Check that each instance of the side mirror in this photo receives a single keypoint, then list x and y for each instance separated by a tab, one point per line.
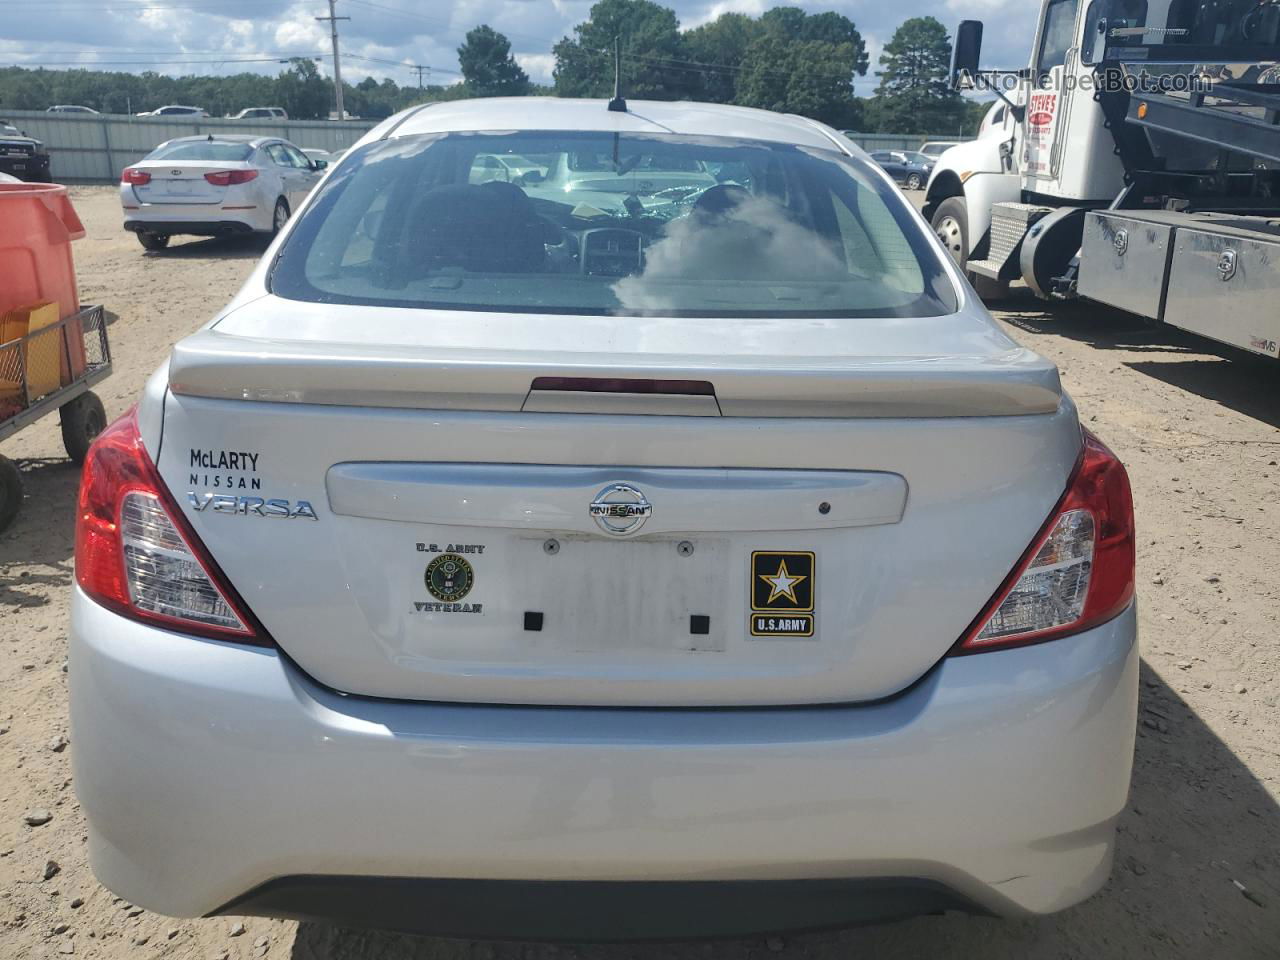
532	176
319	164
966	52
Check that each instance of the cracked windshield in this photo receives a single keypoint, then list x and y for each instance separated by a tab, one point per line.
604	223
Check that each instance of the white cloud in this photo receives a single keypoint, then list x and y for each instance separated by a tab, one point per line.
424	33
537	65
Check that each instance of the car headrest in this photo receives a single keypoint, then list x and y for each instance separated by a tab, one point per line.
487	228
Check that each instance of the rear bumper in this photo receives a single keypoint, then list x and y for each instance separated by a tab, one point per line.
596	911
208	770
199	228
25	167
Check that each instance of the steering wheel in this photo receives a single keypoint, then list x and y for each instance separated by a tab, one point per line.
553	235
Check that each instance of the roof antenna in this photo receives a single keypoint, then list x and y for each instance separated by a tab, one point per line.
617	104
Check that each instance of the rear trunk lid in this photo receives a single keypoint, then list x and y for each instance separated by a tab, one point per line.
417	520
182	181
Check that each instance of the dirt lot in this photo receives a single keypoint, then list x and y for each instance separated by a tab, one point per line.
1198	869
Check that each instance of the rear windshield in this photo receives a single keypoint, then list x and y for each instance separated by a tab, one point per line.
202	150
600	223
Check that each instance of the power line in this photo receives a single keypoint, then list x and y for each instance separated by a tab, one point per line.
162	61
333	19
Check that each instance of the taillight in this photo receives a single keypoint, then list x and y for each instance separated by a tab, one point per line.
1079	570
225	178
137	555
135	176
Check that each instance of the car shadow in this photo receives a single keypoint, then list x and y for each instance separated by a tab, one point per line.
42	535
1197	874
1243	381
233	247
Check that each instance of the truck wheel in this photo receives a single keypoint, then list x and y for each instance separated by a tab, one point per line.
82	419
10	492
153	241
951	224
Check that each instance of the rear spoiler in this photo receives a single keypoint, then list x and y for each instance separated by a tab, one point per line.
221	366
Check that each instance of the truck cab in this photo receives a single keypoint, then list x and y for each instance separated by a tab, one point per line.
1142	169
1047	104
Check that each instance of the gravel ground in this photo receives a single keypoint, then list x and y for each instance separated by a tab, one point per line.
1198	867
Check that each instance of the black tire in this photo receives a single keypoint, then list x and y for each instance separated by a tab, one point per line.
10	492
82	419
153	241
279	216
914	182
951	224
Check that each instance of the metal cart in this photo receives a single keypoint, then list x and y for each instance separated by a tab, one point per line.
52	369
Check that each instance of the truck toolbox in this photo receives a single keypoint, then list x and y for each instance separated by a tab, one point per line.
1232	264
1124	259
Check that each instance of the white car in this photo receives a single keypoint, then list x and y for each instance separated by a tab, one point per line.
69	108
261	113
174	110
505	566
213	185
936	148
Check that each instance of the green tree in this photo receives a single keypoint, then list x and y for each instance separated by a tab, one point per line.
650	40
488	68
721	43
303	93
806	65
914	94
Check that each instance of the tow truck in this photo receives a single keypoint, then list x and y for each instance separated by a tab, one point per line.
1138	165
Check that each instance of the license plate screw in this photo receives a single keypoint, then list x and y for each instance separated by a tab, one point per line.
684	548
824	508
551	547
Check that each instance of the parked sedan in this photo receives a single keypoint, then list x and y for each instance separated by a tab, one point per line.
207	186
175	110
22	156
261	113
909	169
553	566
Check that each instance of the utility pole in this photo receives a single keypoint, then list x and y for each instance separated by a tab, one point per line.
420	70
332	20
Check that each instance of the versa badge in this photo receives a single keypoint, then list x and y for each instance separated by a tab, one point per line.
782	593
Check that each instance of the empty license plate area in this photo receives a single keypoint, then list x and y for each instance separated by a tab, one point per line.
546	597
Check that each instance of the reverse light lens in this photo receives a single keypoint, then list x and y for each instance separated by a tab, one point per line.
136	177
1079	570
225	178
137	555
1053	589
164	576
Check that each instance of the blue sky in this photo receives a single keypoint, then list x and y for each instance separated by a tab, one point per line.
382	36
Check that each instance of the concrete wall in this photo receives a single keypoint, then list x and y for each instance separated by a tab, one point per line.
85	148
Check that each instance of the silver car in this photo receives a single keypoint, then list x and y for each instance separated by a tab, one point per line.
606	565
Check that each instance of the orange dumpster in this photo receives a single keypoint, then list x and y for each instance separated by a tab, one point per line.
36	266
